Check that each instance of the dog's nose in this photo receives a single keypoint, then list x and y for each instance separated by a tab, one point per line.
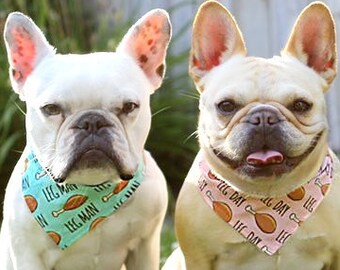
92	122
264	115
126	177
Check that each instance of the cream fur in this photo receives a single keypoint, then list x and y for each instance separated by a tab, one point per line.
206	241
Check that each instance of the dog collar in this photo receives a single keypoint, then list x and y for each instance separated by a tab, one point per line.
68	212
269	222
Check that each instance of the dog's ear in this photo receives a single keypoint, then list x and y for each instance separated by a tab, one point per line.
313	40
147	41
216	37
26	47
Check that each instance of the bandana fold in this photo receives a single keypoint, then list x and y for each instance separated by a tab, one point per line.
68	212
267	223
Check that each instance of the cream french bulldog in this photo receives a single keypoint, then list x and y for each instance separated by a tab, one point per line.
85	194
263	192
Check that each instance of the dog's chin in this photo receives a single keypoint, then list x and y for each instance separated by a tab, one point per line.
92	177
92	159
93	167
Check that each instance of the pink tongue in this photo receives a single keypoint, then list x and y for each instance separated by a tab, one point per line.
265	157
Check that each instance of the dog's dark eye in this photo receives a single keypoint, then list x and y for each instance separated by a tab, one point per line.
129	107
301	106
227	106
51	109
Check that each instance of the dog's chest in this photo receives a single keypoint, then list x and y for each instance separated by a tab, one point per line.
303	248
230	250
94	251
119	234
246	256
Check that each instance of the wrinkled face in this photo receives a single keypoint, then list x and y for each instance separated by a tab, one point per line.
262	117
88	118
88	115
262	123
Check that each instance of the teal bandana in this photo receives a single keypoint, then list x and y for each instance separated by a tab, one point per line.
67	212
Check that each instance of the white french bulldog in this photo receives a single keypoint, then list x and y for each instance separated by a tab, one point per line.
263	192
87	120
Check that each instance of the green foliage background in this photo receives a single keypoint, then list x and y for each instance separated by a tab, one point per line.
71	26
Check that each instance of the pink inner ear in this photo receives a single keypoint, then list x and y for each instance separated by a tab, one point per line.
313	45
23	53
149	45
213	44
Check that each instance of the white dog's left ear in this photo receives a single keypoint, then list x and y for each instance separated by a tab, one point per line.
147	41
313	40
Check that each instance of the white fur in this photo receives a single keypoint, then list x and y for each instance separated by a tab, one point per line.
99	82
130	235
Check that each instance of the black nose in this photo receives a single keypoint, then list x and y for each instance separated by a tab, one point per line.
59	180
92	122
126	177
264	116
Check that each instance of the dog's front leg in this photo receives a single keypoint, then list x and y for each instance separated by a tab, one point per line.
335	263
28	263
24	259
197	262
5	258
22	244
146	255
9	261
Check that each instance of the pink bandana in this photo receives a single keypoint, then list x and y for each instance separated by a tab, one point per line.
269	222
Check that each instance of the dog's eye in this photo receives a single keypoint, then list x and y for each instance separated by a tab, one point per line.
51	109
301	106
129	107
227	106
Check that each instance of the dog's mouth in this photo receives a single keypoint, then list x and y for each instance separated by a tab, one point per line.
96	158
265	158
93	148
98	161
92	158
266	162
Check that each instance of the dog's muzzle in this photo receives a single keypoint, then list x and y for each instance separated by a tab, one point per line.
96	141
264	149
264	120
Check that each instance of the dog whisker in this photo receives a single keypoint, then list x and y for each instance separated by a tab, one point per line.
195	133
161	110
196	97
